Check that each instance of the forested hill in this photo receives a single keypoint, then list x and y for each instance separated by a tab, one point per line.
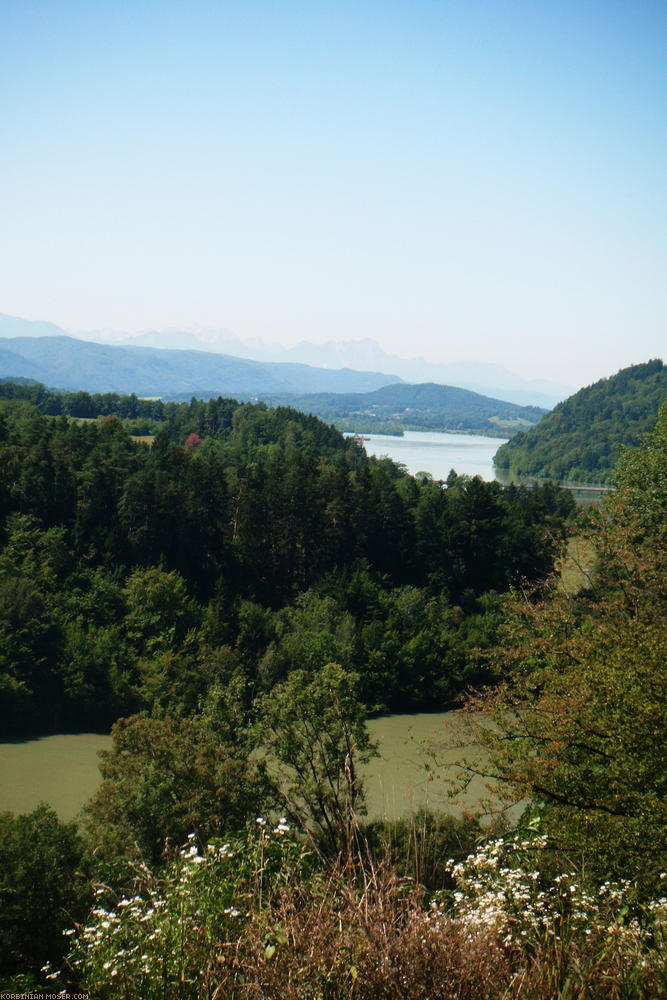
579	441
244	543
425	406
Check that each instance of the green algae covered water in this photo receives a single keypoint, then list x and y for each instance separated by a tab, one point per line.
420	758
415	768
59	770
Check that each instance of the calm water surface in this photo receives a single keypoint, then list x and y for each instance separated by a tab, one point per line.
60	770
63	770
438	453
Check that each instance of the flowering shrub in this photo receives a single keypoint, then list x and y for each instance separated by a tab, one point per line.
603	935
258	919
173	935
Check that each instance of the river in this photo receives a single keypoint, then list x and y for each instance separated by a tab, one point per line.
63	770
438	453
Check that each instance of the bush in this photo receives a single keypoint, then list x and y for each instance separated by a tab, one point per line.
419	847
41	890
261	919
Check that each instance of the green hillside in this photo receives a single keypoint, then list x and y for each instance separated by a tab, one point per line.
426	406
580	440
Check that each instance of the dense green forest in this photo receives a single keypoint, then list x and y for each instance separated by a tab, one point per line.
391	409
184	881
423	407
581	439
243	544
225	853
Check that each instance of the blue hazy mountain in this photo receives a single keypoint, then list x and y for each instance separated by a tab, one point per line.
67	363
363	355
367	355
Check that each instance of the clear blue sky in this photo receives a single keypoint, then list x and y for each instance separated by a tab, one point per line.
462	180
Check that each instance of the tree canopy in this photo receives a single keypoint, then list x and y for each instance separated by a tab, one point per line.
581	439
579	720
134	575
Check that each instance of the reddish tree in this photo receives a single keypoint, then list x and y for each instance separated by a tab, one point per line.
193	441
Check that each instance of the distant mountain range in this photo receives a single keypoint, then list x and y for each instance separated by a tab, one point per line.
482	377
66	363
354	400
362	355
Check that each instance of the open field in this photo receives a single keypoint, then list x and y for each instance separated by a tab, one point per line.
62	770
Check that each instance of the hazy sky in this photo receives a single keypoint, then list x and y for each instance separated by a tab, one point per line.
462	180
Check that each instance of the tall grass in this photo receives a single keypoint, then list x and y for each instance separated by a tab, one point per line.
264	918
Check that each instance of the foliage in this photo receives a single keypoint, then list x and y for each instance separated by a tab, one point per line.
585	939
42	888
392	408
166	776
243	602
257	918
580	440
579	720
425	406
174	933
640	504
132	577
313	733
421	847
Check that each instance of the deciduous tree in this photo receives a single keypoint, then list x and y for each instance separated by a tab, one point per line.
580	718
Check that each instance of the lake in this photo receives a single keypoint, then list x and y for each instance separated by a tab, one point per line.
438	453
63	770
